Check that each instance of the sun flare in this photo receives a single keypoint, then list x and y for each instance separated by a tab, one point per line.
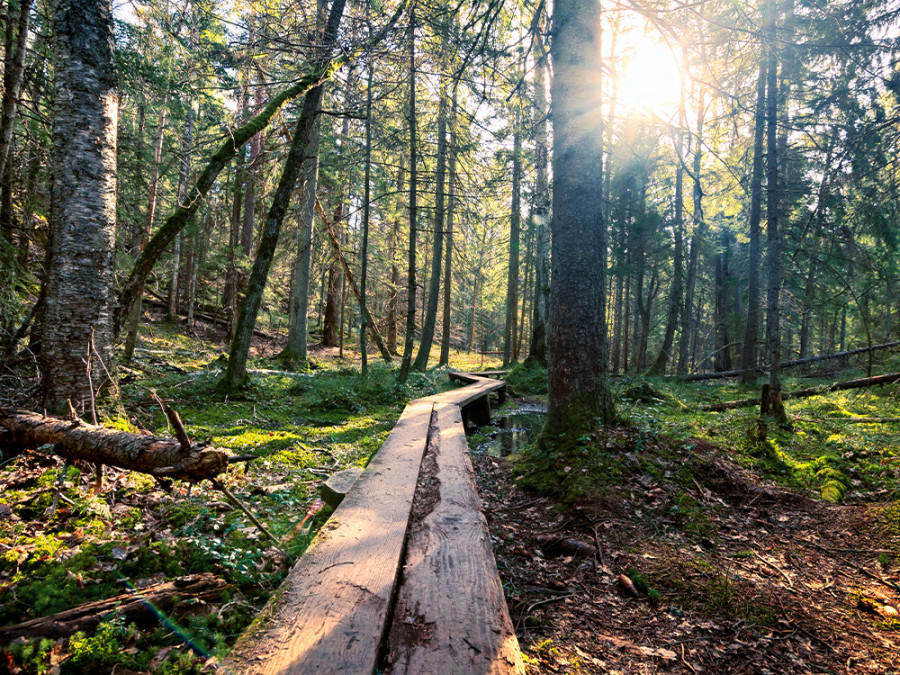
651	79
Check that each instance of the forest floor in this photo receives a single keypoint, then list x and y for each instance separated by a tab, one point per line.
751	578
751	570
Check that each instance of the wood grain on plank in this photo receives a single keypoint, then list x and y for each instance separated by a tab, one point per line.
451	615
331	612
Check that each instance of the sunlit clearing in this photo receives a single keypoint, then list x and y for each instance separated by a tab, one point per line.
651	79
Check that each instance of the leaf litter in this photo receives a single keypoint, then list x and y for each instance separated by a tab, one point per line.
750	577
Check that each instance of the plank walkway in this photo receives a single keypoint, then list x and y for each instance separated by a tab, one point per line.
402	578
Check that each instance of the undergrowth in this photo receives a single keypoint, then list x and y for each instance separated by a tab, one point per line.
294	428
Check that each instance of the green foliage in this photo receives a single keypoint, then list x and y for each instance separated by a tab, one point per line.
528	379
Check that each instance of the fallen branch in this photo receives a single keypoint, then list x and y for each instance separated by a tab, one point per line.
812	391
76	439
790	364
139	606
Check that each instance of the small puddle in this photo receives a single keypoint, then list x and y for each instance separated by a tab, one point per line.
511	431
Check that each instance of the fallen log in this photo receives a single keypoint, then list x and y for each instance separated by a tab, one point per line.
789	364
155	455
812	391
142	607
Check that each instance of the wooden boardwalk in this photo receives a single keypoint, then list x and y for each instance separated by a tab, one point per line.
402	578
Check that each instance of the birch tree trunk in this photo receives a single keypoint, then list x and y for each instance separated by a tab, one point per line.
80	277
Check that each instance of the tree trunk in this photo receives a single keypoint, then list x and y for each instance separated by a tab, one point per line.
773	403
236	374
298	327
448	237
80	277
578	385
723	342
143	608
16	40
751	334
411	253
434	286
510	334
700	228
134	316
335	287
184	175
537	350
365	320
676	289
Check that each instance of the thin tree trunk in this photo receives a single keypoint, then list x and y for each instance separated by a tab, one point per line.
751	334
700	228
434	286
676	290
364	320
184	174
772	403
411	269
134	317
236	373
448	237
537	350
12	83
723	342
510	333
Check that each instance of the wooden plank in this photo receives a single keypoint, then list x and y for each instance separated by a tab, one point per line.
469	377
464	395
451	615
331	612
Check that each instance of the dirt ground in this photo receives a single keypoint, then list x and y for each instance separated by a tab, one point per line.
773	583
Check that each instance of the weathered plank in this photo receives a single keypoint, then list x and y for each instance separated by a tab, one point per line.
451	614
468	377
331	612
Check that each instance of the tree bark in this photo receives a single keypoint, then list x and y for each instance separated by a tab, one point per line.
434	286
80	276
774	405
13	72
169	457
537	350
510	333
409	338
448	237
751	334
578	384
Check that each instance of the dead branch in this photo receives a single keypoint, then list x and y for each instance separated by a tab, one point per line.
792	363
138	606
